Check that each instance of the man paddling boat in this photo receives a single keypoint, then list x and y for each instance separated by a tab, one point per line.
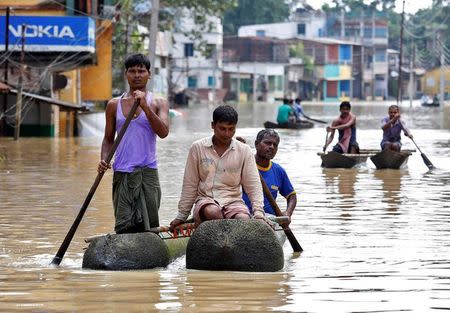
274	175
136	189
346	126
392	127
216	169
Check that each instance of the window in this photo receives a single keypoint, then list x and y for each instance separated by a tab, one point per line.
367	32
211	81
331	89
301	29
275	83
380	55
188	49
260	33
381	32
192	82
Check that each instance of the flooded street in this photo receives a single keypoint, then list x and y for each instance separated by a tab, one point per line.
373	240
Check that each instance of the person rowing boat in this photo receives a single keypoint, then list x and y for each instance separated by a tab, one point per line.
346	126
392	127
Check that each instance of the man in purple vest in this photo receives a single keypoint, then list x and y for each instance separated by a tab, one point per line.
136	189
392	127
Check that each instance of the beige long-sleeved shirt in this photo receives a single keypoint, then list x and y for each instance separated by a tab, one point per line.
220	178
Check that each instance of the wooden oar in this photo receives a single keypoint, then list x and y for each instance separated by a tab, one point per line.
326	140
289	234
425	159
65	244
314	119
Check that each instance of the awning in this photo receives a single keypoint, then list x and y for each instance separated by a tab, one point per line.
63	104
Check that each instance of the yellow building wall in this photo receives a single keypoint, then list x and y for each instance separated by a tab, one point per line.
431	82
96	81
69	93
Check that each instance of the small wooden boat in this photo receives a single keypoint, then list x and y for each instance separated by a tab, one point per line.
298	125
390	159
333	159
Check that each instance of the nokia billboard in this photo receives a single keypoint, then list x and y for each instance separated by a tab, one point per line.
49	33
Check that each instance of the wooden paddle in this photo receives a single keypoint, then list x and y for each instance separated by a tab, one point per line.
65	244
314	119
289	234
326	140
425	159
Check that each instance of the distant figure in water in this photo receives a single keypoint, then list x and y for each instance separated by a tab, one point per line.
286	114
392	127
346	125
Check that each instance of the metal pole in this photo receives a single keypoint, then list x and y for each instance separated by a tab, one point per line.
152	38
442	78
6	44
20	86
411	78
238	81
399	80
5	95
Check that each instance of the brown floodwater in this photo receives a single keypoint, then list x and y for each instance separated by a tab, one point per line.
374	240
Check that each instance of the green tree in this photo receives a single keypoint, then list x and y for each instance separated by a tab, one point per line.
249	12
126	38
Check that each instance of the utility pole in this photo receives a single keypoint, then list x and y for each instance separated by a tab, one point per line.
127	33
238	80
361	35
399	80
20	86
342	24
442	78
5	95
373	55
6	43
411	77
152	38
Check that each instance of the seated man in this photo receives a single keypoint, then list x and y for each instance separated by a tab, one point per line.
274	175
298	108
286	114
392	127
217	168
346	125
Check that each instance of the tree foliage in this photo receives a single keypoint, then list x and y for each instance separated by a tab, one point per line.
138	12
249	12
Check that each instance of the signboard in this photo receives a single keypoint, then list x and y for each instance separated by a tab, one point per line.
49	33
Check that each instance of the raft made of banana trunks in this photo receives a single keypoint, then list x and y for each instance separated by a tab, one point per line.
238	245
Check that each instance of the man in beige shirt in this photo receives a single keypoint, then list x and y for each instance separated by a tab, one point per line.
217	168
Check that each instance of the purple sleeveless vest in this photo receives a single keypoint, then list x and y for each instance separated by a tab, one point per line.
138	145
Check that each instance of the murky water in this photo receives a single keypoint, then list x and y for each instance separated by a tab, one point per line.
374	240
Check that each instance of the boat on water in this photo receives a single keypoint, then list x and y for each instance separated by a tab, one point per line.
428	101
391	159
333	159
299	125
156	248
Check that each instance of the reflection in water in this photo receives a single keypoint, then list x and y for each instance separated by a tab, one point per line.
360	254
341	183
391	185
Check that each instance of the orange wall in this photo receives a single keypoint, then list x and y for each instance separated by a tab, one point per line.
96	81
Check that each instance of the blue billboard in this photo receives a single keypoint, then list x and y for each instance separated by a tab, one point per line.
49	33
